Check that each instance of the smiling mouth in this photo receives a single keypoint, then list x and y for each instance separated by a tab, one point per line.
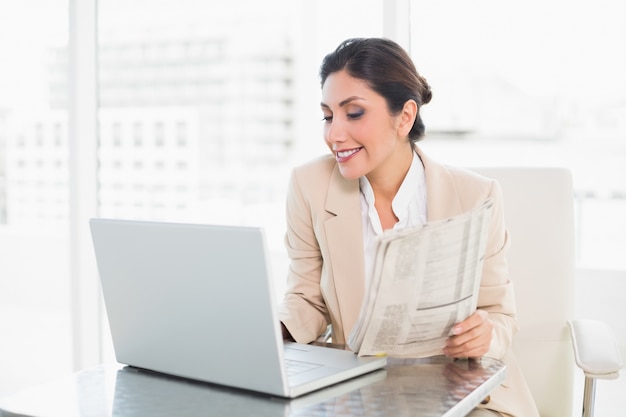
342	156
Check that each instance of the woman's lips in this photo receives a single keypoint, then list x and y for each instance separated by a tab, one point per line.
343	156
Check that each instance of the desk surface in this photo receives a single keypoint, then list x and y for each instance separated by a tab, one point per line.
406	387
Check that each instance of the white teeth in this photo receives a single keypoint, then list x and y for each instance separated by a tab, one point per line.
345	154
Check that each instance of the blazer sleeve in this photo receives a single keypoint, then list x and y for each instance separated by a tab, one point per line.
496	294
302	310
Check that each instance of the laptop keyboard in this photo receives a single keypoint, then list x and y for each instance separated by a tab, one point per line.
297	367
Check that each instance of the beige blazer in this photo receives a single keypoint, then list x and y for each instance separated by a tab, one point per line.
324	241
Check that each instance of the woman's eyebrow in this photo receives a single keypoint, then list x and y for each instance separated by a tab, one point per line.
343	102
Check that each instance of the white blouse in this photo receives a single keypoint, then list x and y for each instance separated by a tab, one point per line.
409	206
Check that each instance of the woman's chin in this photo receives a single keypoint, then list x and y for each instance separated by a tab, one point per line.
350	174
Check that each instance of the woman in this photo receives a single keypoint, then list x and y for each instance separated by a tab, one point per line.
375	179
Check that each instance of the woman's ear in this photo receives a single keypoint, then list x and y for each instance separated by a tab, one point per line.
406	118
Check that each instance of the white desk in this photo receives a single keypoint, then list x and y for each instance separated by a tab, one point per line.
432	387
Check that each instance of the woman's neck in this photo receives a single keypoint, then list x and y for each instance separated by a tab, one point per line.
386	183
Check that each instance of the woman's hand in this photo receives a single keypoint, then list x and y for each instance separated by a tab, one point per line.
472	337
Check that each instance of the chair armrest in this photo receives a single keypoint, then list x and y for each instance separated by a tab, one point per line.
595	349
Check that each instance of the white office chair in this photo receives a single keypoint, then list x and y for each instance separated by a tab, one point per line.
539	213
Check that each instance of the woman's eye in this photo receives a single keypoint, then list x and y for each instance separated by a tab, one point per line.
327	118
355	115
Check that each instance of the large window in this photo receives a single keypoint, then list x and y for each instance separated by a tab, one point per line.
205	107
202	109
34	247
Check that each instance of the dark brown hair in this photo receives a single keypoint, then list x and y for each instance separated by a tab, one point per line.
387	69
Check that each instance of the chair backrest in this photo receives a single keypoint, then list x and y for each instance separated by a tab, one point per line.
539	213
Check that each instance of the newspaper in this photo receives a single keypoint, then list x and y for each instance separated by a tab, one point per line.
425	280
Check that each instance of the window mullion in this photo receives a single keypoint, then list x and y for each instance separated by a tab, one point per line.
396	22
85	294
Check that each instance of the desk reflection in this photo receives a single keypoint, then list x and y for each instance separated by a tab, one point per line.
141	393
427	387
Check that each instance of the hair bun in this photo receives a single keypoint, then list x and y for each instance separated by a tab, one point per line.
427	94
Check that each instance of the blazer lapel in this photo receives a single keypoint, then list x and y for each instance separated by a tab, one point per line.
344	237
441	193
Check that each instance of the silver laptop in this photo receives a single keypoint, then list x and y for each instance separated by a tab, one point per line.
196	301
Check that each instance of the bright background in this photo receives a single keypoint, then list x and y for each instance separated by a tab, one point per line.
200	110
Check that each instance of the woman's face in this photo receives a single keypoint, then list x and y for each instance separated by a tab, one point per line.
358	129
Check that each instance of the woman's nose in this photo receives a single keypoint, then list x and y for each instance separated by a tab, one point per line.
334	133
